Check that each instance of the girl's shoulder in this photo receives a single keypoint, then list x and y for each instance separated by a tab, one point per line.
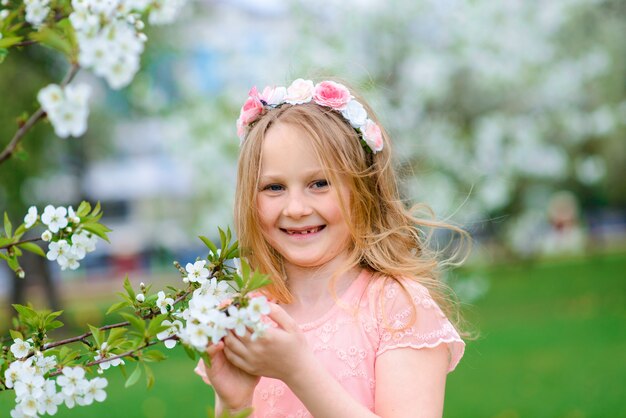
406	315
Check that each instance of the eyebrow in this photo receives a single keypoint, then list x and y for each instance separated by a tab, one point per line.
309	173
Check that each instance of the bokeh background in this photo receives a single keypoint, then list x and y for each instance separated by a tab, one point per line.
508	118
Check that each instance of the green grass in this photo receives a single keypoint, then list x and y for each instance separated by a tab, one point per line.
551	344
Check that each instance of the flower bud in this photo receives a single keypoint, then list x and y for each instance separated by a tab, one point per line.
4	14
46	236
20	273
69	229
139	25
142	285
5	2
140	298
142	37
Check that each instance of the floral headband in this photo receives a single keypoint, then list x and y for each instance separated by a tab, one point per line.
327	93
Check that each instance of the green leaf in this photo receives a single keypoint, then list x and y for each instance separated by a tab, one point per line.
54	325
191	353
33	248
155	326
98	335
149	376
10	41
134	377
25	312
5	241
116	335
13	263
118	306
83	209
8	227
16	334
137	323
223	240
209	244
3	54
19	232
154	355
98	229
129	288
52	39
96	210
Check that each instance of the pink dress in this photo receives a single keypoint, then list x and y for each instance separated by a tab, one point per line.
370	318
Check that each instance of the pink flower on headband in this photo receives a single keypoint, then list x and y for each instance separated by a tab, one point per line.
372	136
331	94
300	91
251	109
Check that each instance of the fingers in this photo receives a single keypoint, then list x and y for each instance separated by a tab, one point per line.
282	318
214	348
236	360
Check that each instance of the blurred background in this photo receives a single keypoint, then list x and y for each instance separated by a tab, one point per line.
508	118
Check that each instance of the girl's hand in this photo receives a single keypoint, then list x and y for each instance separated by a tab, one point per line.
279	353
234	387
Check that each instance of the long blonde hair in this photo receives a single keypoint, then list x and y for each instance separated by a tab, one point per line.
388	238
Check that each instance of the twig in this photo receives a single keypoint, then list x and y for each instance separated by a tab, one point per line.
104	360
4	247
34	118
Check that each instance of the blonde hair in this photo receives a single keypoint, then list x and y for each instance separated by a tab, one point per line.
388	238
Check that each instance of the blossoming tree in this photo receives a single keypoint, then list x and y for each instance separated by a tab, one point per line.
216	293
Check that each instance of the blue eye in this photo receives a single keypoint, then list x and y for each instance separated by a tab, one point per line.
320	184
273	187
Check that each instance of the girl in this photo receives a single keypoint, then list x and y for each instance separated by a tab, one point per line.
357	330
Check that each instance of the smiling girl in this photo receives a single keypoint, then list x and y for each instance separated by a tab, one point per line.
359	326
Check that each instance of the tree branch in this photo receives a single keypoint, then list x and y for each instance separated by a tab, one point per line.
4	247
34	118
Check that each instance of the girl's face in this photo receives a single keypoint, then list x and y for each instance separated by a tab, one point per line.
299	211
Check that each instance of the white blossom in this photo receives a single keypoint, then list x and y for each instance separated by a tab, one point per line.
258	307
94	391
46	235
163	303
174	327
36	11
54	218
59	251
31	217
72	382
49	401
196	272
102	353
20	348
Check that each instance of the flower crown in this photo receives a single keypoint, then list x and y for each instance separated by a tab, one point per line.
326	93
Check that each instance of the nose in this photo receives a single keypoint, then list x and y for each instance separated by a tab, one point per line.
297	206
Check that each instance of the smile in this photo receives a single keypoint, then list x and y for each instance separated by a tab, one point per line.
303	231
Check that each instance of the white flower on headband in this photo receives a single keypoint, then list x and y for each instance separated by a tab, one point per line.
355	113
300	91
326	93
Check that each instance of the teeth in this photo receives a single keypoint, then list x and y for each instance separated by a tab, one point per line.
305	232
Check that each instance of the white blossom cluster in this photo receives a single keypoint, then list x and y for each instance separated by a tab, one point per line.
211	312
109	34
37	11
76	242
67	108
35	395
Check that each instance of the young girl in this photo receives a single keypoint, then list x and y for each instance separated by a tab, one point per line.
357	330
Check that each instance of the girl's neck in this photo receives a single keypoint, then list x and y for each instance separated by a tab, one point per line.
310	286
